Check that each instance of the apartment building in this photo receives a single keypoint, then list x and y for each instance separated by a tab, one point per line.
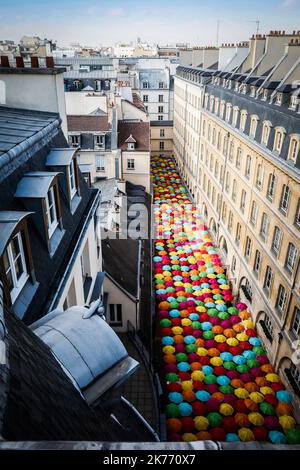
161	137
236	142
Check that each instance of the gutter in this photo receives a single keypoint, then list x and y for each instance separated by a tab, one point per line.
74	255
2	322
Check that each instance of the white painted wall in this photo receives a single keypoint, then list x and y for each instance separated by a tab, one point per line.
141	173
117	296
82	103
39	92
89	157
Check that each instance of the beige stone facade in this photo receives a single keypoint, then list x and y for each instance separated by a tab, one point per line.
246	181
161	137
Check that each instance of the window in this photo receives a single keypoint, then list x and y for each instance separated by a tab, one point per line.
293	150
248	247
271	187
228	111
162	133
100	163
238	158
268	280
254	211
15	266
160	109
276	240
279	98
224	212
243	120
233	265
160	98
99	142
161	85
248	167
296	322
161	146
160	117
257	262
51	211
281	299
145	85
130	164
243	201
214	136
266	133
145	98
211	103
222	109
234	191
146	109
268	328
264	226
72	178
217	106
248	290
253	126
238	234
278	141
295	375
219	141
115	314
225	146
235	116
259	176
74	140
297	218
231	151
230	222
217	169
291	257
227	182
294	101
285	199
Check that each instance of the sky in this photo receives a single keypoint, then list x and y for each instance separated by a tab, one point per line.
105	22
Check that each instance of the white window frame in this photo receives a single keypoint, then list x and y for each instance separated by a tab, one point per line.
278	140
264	226
271	186
285	199
269	276
248	166
130	164
254	213
243	120
99	141
160	118
145	98
145	85
266	133
51	205
72	178
260	176
160	109
296	322
100	163
74	140
253	126
114	320
276	242
257	262
235	116
161	145
248	248
294	149
161	85
18	284
162	133
281	298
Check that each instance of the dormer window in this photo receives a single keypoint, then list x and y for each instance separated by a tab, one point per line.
265	95
294	148
228	111
15	263
237	87
294	102
65	160
243	120
131	143
279	97
74	140
206	100
278	141
217	105
51	212
266	133
253	92
222	109
211	104
253	126
99	141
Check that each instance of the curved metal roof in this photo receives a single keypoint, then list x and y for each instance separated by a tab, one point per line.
86	347
9	220
60	157
35	185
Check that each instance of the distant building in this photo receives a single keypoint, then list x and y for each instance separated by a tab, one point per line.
161	137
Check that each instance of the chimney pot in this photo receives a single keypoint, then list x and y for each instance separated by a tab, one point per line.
34	62
5	61
20	61
49	62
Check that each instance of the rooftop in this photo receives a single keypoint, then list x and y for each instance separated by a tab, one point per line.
139	130
88	123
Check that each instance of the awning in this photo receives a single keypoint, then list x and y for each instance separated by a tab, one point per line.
35	185
9	220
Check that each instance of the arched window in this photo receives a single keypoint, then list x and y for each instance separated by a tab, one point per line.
278	140
294	148
266	132
253	126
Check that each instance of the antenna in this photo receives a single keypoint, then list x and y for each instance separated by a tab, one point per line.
218	32
257	22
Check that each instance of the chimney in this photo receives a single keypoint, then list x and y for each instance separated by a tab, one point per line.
34	62
49	62
4	61
19	62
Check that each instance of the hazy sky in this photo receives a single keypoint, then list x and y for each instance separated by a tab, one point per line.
104	22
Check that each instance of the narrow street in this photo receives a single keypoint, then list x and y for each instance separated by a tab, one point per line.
217	379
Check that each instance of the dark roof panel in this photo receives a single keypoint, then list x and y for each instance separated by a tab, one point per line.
139	130
88	123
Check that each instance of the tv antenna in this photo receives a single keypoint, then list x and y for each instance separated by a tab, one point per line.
257	22
218	32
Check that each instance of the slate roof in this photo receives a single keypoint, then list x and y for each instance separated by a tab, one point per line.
18	125
161	123
139	130
88	123
48	270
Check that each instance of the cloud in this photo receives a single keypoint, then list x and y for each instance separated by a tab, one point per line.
115	12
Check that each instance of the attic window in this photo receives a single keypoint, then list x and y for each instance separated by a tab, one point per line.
253	91
265	95
278	141
15	264
99	141
279	97
51	211
74	140
130	146
131	142
65	159
294	102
